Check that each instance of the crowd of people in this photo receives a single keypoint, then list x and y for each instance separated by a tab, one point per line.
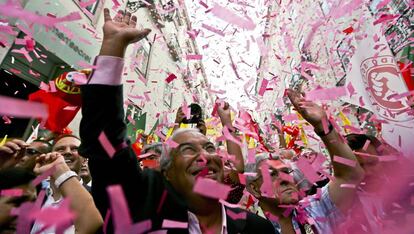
188	183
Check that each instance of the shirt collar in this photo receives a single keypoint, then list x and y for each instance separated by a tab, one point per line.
192	219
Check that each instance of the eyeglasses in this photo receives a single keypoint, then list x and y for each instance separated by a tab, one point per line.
32	152
191	150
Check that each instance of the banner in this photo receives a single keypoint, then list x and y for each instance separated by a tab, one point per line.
378	86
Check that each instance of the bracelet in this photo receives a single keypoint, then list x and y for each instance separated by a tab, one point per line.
64	177
323	133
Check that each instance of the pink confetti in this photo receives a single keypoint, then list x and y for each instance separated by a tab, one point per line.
84	4
326	94
266	188
307	169
352	186
211	188
12	192
170	78
52	86
21	108
230	137
119	207
236	216
212	29
106	144
344	161
174	224
194	57
230	17
262	89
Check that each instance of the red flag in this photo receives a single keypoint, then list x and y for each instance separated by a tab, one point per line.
63	104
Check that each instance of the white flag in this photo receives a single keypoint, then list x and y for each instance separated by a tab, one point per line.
377	81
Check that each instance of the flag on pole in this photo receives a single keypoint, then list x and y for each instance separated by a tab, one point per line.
378	86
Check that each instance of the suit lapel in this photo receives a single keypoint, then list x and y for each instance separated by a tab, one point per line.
235	226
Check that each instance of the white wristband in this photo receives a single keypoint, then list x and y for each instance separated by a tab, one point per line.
64	177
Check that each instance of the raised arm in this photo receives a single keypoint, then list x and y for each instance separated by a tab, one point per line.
103	115
224	113
88	219
342	197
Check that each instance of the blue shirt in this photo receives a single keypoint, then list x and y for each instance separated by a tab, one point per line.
320	212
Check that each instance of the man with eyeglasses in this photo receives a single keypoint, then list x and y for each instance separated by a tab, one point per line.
164	200
35	149
21	154
278	194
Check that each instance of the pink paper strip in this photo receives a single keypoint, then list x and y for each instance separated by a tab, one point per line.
236	216
174	224
119	207
263	87
170	78
106	144
212	29
12	192
230	17
344	161
211	188
194	57
20	108
266	188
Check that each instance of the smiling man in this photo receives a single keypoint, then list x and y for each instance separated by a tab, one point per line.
311	214
158	197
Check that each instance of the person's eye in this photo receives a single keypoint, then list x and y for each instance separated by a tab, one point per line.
188	150
273	173
211	149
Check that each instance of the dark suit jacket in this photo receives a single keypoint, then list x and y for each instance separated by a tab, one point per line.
103	111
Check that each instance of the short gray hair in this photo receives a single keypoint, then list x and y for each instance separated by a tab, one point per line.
253	167
166	157
157	147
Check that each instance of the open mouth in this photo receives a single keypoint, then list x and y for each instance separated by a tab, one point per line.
69	160
206	172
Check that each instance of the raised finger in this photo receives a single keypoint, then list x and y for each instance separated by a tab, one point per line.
119	16
13	146
133	22
107	15
126	17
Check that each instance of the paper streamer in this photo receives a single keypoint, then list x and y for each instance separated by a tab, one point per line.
106	144
211	188
22	109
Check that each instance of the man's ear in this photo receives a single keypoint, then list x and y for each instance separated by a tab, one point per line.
254	190
168	174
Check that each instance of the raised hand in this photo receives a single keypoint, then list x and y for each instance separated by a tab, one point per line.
11	153
120	32
46	161
310	111
180	116
224	113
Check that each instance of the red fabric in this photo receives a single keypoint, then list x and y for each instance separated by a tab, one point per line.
406	73
67	95
349	30
59	118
